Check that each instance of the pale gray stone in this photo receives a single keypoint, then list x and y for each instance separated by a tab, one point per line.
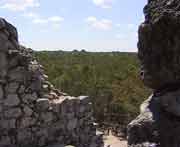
13	113
42	134
47	116
18	74
55	107
11	88
1	108
29	98
24	136
21	89
2	23
1	93
4	37
84	99
11	100
5	141
8	124
14	62
82	109
27	122
72	124
70	116
3	65
42	104
3	43
27	111
6	32
12	31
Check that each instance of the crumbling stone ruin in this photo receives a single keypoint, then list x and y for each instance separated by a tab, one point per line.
32	112
158	124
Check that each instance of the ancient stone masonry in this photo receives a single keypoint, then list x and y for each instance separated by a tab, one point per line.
159	52
32	112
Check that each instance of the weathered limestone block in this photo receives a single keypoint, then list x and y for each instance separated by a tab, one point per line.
18	74
27	122
11	88
27	111
5	141
1	93
29	98
24	136
3	66
2	23
13	113
11	100
42	104
4	42
8	124
72	124
47	117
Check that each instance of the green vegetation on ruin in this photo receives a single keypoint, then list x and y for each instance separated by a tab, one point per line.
110	79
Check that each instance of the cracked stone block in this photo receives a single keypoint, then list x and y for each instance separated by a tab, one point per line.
27	111
18	74
12	100
1	93
12	87
72	124
29	98
42	104
24	137
8	124
3	65
5	141
13	113
2	24
27	122
47	116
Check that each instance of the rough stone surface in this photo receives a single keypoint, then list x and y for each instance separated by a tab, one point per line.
11	100
32	112
158	124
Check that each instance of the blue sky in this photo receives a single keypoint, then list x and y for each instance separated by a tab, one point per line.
94	25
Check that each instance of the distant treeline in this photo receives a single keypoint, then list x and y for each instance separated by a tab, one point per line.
110	79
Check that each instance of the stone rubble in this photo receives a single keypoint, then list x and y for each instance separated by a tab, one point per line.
32	112
158	124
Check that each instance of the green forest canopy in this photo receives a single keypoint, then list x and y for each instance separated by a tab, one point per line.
110	79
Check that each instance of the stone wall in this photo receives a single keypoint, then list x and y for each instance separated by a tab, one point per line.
32	111
158	124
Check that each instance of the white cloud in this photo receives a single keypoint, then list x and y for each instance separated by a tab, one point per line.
91	19
103	24
103	3
19	5
37	19
31	15
40	21
55	19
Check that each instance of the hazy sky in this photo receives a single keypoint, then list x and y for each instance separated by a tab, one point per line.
94	25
